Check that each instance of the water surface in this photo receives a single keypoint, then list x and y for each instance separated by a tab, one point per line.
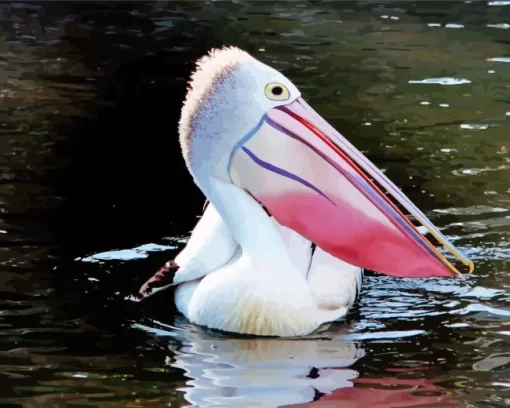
89	101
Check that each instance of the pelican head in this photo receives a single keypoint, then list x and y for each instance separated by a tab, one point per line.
245	124
229	93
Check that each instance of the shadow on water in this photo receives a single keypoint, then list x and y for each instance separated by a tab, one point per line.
94	197
128	142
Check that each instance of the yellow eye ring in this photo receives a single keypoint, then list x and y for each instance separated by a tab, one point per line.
277	92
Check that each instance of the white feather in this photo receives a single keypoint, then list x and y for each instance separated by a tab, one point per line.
267	294
333	282
298	248
210	246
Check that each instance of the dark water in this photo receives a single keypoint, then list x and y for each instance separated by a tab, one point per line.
89	101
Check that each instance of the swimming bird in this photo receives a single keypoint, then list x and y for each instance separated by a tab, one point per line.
295	211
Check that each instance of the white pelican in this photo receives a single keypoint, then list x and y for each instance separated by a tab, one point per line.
252	143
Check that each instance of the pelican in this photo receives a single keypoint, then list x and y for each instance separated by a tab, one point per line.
294	214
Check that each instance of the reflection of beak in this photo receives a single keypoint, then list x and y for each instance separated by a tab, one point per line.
312	180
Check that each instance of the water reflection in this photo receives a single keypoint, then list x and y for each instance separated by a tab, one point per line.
318	371
386	393
240	372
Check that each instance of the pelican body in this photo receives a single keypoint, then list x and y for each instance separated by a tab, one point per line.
294	214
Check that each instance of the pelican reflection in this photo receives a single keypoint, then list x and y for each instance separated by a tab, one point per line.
261	372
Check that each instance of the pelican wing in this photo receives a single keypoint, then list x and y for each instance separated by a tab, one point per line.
210	246
333	282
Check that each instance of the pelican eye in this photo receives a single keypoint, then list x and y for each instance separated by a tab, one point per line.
277	92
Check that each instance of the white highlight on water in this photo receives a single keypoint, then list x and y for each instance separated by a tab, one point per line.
499	59
441	81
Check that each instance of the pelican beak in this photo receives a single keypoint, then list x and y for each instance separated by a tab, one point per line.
312	180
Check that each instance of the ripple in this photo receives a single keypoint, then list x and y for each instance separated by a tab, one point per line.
479	307
441	81
504	26
482	254
474	126
475	210
453	25
499	3
458	325
475	171
483	293
120	255
383	335
499	59
140	252
491	362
